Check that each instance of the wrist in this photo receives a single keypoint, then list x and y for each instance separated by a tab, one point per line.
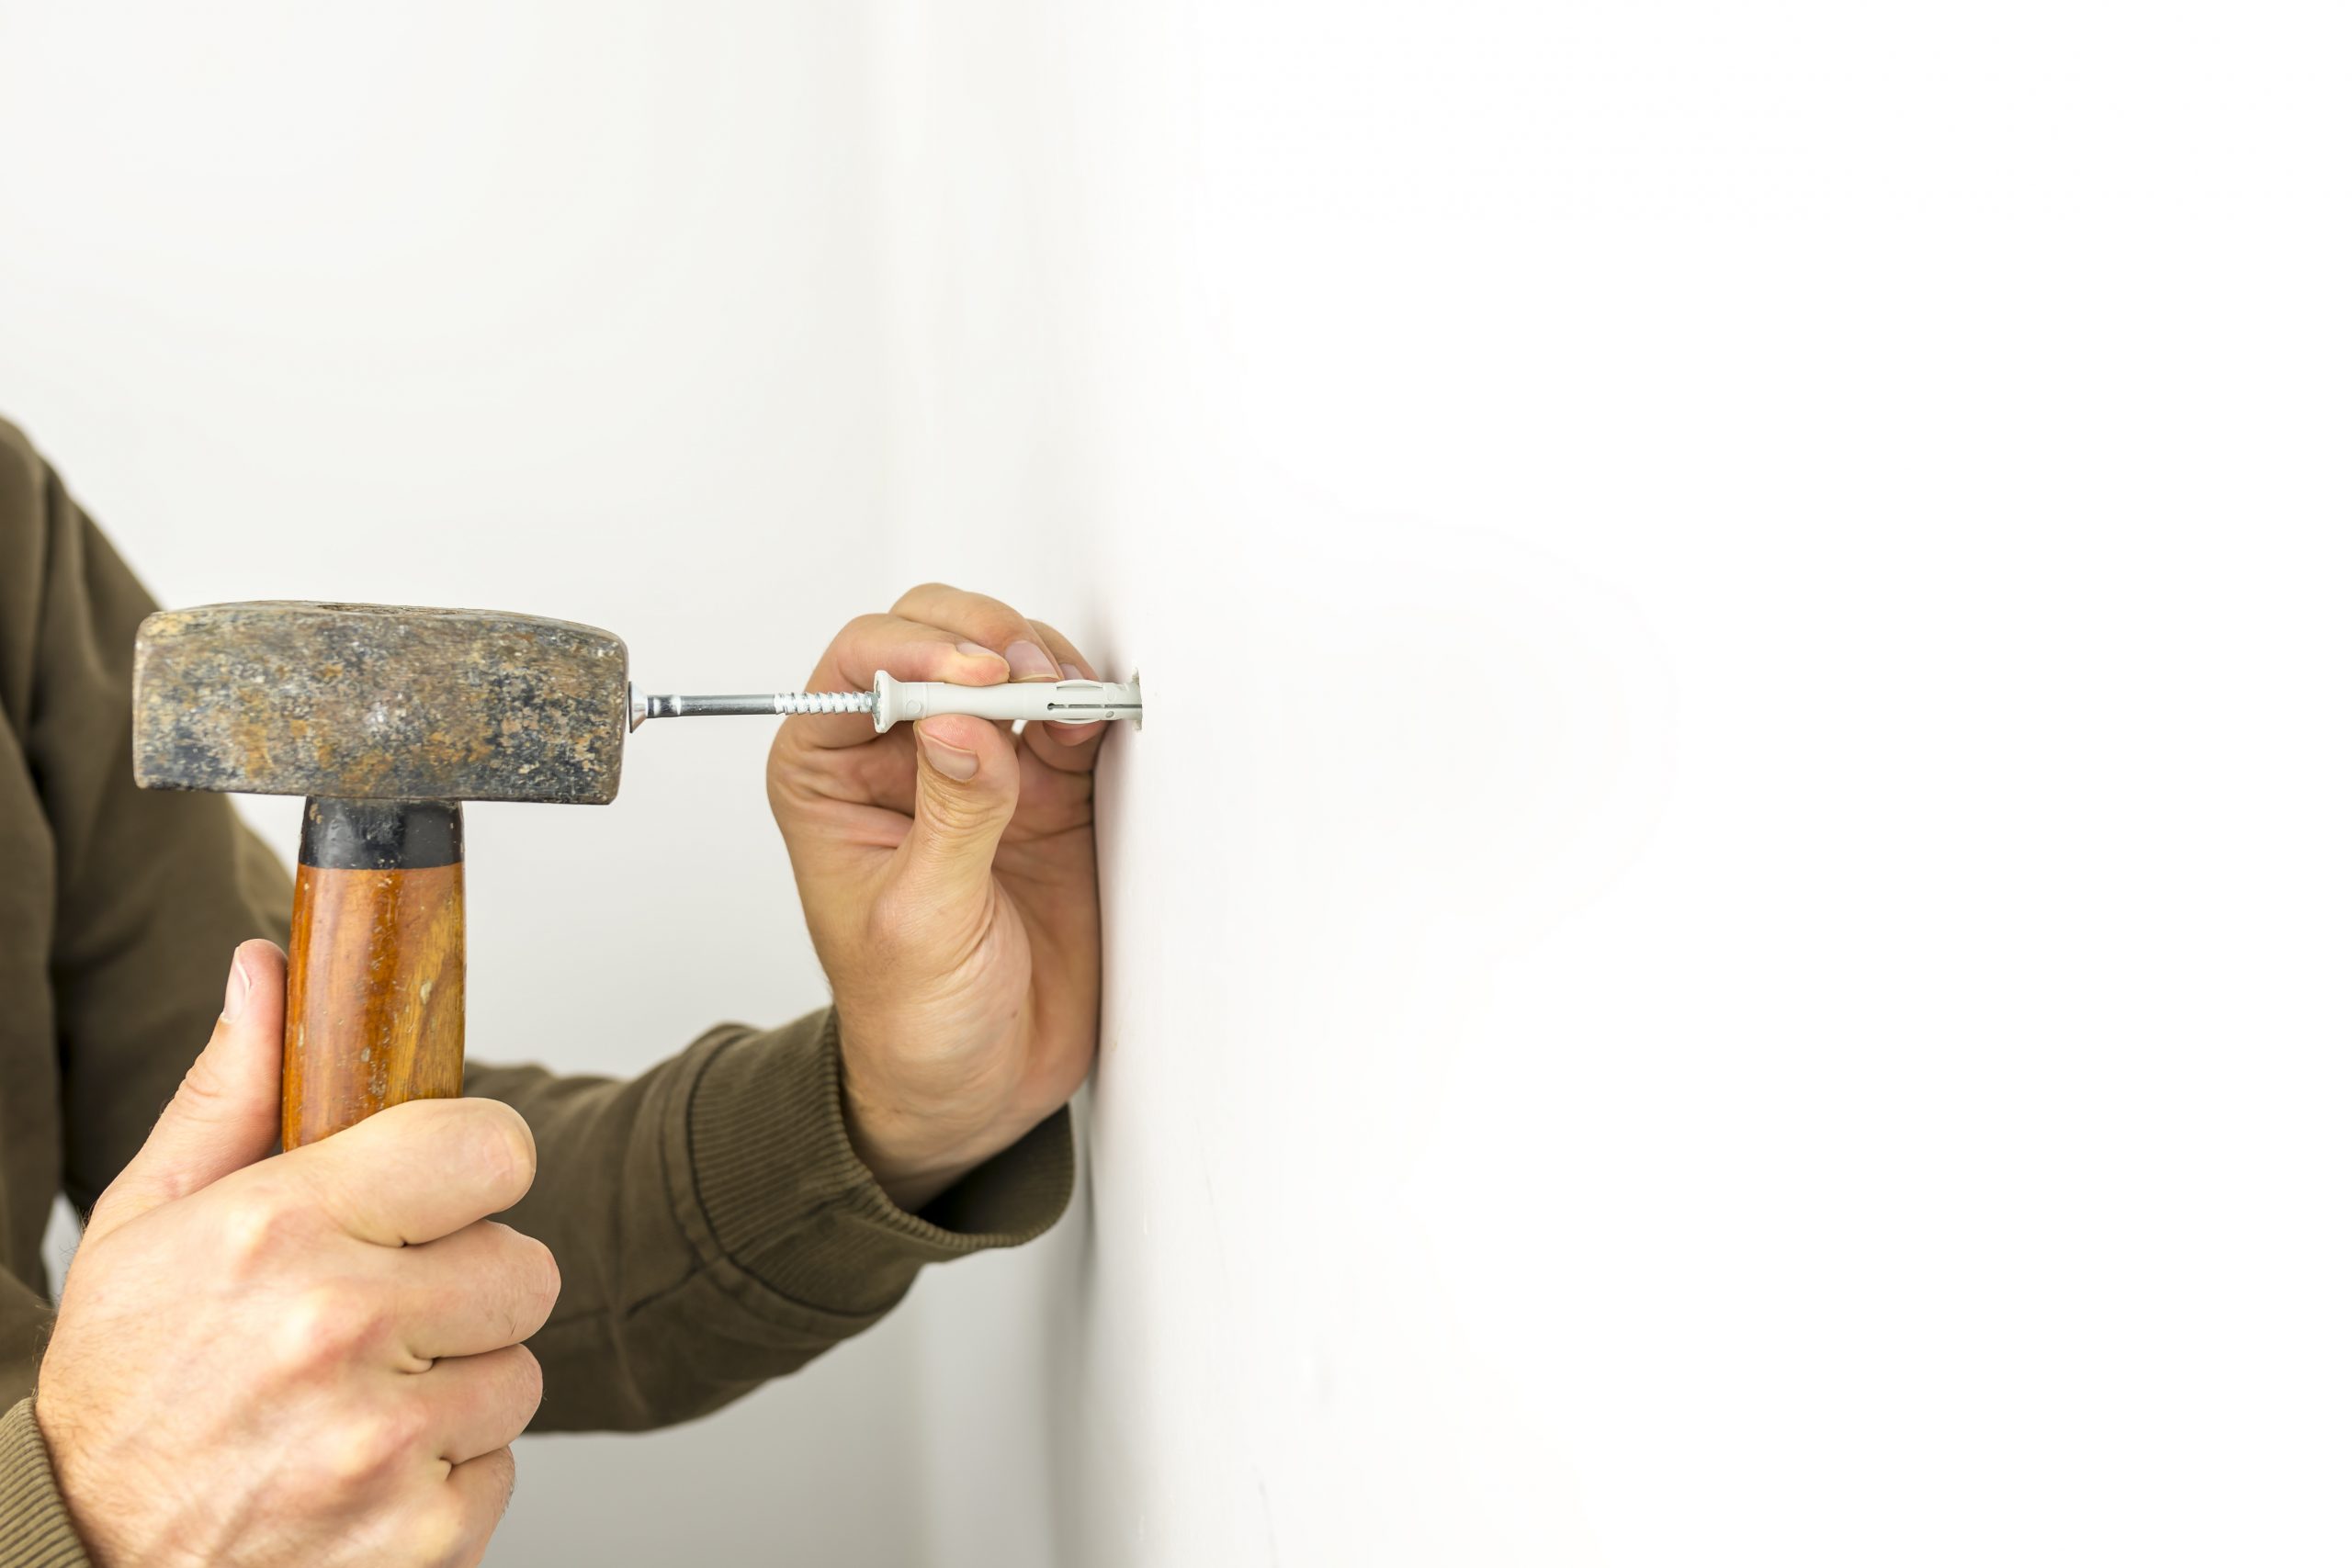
912	1158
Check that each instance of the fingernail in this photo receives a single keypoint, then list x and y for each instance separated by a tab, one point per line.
953	762
1029	662
241	985
1072	672
976	651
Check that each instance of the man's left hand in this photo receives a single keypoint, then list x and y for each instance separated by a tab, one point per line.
948	872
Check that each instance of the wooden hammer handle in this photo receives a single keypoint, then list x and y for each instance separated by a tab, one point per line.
375	980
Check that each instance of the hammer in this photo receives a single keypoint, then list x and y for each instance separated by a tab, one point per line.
388	717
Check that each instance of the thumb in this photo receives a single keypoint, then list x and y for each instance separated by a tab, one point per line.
968	780
225	1115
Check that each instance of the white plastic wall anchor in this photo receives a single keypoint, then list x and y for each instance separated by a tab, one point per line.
1061	702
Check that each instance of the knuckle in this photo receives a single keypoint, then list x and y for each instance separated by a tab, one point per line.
547	1277
261	1227
375	1446
453	1527
919	594
325	1326
444	1532
503	1461
527	1282
530	1387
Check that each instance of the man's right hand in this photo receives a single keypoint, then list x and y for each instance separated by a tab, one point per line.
313	1357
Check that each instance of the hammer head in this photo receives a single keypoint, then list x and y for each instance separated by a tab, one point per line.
382	702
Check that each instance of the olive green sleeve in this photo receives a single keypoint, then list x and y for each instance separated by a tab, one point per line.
716	1229
35	1530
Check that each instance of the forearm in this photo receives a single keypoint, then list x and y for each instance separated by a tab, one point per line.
716	1229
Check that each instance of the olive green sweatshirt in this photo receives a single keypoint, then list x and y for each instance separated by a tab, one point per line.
714	1227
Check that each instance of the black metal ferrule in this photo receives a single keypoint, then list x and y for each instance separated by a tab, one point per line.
381	835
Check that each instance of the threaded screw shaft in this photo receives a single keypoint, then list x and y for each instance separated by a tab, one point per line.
645	706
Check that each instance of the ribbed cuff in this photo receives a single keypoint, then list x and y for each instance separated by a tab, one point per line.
789	1203
35	1530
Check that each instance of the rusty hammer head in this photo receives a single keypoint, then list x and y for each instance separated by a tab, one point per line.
381	701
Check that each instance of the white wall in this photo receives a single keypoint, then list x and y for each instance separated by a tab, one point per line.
1758	976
